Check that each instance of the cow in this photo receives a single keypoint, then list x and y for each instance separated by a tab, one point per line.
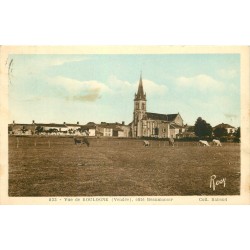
204	143
171	142
146	143
81	141
217	143
85	141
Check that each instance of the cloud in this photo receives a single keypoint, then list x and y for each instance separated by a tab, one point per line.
119	85
91	97
201	82
153	87
75	90
149	86
74	86
228	73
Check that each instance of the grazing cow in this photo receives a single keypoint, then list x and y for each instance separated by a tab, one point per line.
83	141
77	141
204	143
146	143
217	143
171	142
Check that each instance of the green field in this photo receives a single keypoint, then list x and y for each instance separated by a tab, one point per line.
52	166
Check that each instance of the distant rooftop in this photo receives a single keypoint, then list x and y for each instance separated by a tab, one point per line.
223	125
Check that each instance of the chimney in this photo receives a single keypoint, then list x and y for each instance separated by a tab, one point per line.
123	123
33	122
77	123
64	123
13	122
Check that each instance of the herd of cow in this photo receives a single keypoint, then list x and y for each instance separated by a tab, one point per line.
147	143
201	143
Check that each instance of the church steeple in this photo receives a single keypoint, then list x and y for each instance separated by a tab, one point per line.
140	93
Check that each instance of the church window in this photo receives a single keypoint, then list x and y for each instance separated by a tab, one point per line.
143	106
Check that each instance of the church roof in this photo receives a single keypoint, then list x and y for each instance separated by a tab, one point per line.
140	93
171	117
163	117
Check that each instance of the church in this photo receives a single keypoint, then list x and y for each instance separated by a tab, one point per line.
146	124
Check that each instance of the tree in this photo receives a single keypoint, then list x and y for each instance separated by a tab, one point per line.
237	133
220	131
190	129
39	129
202	128
24	130
52	130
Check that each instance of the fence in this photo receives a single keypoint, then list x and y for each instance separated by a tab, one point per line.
49	142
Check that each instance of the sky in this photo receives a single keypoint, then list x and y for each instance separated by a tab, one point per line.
96	88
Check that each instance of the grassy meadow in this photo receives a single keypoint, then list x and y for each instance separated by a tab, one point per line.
53	166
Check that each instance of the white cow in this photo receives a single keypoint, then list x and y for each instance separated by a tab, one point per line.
146	143
217	143
171	142
204	143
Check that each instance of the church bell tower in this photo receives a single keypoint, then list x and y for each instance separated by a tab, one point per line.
139	109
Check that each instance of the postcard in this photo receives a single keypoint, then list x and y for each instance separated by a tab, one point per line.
112	125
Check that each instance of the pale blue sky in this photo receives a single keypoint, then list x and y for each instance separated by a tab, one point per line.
71	88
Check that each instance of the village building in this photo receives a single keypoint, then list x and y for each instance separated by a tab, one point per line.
146	124
43	128
53	127
21	128
90	129
113	129
73	128
230	129
187	132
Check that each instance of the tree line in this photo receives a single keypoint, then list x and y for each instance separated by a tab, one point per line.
202	129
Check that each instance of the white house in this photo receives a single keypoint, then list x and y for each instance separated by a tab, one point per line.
230	129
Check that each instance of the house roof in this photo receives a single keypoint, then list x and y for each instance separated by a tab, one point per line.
163	117
106	126
91	126
223	125
73	125
114	126
51	125
21	124
175	126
